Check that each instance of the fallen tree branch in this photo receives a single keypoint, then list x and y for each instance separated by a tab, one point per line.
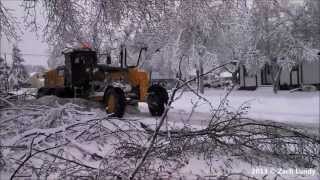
8	102
30	156
164	115
155	134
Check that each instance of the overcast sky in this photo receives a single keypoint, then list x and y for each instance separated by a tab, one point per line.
33	48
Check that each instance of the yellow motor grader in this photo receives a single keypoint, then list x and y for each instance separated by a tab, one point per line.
83	77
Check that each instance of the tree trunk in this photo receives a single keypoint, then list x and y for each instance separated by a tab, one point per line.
201	83
276	80
198	80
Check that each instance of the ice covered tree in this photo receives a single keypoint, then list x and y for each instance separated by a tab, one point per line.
278	38
18	74
307	25
8	24
192	35
108	24
4	74
98	22
204	32
234	37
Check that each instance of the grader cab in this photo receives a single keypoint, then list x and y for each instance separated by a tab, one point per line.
83	77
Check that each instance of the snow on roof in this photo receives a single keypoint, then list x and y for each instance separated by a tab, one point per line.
76	47
33	73
70	50
225	74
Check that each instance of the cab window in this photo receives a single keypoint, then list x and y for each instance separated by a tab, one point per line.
61	72
77	60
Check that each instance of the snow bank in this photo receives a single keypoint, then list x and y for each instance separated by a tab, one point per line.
52	100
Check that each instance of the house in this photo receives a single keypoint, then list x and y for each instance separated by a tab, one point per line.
305	73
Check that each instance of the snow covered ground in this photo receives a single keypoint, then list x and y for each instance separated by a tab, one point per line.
300	109
296	107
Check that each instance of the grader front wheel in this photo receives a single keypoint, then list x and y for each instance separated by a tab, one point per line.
114	101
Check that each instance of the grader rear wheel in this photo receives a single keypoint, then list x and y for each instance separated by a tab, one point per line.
111	104
114	101
157	99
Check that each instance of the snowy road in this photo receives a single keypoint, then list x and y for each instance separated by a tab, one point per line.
298	108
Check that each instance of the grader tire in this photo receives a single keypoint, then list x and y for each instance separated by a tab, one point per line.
114	101
157	98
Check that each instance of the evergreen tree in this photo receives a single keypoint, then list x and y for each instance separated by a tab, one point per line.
4	75
18	74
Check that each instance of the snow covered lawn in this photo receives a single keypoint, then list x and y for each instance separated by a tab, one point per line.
296	107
